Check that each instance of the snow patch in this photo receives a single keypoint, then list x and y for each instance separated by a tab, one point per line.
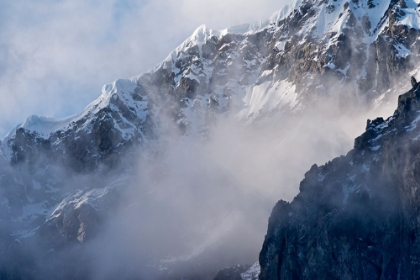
43	126
411	19
375	148
252	273
267	97
82	197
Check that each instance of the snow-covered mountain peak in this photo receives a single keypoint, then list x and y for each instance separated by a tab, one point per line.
121	89
310	19
203	34
334	17
275	66
308	59
42	125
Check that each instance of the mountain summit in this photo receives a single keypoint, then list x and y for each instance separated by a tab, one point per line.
305	71
285	64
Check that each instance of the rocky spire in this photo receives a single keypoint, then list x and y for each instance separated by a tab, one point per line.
413	81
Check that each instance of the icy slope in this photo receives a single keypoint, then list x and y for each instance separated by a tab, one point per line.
282	65
342	55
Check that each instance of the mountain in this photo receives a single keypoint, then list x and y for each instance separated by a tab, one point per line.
295	79
282	65
355	217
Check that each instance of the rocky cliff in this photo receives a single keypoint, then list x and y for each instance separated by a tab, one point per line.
356	217
278	69
283	65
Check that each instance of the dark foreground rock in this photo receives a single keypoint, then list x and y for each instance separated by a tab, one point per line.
358	216
55	175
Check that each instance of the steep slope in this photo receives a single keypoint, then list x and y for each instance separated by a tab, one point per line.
274	71
107	127
357	216
279	66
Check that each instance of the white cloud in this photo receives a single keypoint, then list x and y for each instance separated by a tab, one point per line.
56	55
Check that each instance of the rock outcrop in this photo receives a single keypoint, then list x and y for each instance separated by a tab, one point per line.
356	217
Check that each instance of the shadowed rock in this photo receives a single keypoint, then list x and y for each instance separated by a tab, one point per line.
413	81
356	217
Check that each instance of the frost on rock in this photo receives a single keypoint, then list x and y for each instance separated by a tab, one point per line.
252	273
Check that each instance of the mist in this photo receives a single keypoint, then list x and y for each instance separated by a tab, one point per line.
204	205
56	55
198	204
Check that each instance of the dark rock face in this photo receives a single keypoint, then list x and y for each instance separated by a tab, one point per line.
95	139
357	217
201	81
413	81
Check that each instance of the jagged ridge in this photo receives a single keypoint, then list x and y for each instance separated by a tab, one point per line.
251	70
280	66
356	216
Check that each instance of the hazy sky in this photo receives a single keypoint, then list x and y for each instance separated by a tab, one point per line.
55	55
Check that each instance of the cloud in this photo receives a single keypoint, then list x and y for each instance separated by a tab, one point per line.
56	55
